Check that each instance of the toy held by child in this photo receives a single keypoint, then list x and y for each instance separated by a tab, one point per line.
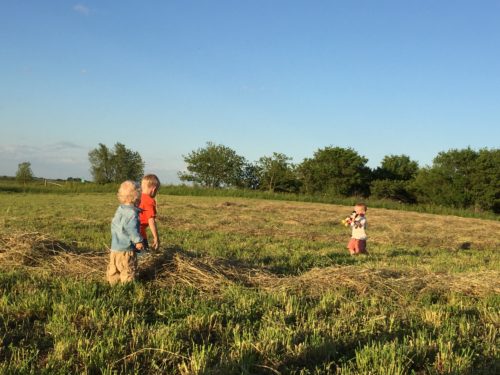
357	221
348	220
126	239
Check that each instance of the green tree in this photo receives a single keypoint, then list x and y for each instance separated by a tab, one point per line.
24	173
101	164
397	190
214	166
449	181
250	178
391	179
127	164
277	173
336	171
396	167
485	180
115	165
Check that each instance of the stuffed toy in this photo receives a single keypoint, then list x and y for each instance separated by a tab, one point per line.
349	219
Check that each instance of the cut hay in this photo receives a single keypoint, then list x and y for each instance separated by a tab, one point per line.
37	250
174	266
386	281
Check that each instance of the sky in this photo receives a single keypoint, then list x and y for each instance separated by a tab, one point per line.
385	77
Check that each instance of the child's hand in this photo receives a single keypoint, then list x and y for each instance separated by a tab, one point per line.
155	245
139	246
346	221
349	219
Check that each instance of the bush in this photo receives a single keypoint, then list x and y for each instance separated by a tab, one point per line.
392	189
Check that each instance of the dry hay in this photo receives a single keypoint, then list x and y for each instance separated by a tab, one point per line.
230	204
386	281
174	266
37	250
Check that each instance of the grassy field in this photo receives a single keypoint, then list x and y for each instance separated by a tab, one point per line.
247	286
41	186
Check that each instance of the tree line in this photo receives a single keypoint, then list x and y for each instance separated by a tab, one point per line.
460	178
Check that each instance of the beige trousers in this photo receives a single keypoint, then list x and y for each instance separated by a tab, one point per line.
122	267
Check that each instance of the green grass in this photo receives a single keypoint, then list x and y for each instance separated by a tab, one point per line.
66	326
420	303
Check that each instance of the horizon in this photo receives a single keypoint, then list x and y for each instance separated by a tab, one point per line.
174	178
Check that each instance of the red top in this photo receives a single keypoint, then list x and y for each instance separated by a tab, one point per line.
147	211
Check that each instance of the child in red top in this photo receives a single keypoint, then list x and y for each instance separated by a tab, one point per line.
150	185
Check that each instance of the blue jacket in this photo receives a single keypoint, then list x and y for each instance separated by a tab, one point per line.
125	228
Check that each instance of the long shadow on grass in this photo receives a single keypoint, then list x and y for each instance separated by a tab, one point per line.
401	252
336	352
342	352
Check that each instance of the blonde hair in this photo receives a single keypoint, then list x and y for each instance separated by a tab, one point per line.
129	192
151	180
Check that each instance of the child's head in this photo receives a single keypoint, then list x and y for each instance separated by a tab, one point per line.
150	184
129	193
360	208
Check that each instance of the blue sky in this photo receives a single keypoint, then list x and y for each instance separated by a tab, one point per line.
259	76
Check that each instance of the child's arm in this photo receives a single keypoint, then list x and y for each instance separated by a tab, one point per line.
154	231
132	228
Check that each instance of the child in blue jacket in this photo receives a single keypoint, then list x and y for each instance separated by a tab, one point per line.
125	236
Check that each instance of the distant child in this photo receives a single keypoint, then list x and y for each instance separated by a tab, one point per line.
150	185
357	221
125	236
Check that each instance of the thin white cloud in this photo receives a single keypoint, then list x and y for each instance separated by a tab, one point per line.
66	145
60	152
55	160
82	9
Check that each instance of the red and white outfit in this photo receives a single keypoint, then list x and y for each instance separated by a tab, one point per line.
357	244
